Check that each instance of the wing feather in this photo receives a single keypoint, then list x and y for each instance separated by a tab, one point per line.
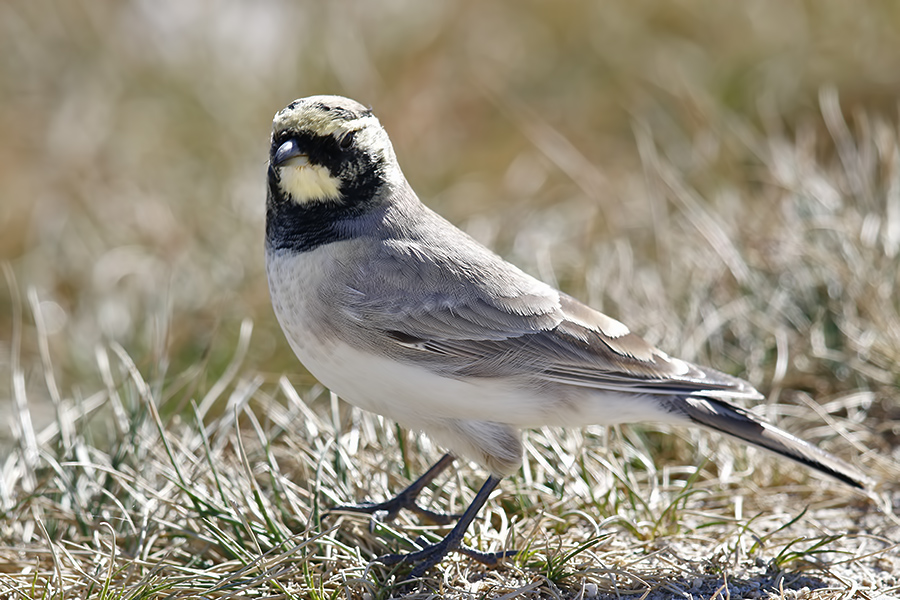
473	314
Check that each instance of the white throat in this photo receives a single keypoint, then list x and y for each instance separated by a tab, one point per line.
310	183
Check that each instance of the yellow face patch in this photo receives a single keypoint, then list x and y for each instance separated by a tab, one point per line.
310	183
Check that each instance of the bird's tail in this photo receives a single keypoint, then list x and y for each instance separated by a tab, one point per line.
723	417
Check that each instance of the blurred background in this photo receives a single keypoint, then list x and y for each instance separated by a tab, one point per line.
720	176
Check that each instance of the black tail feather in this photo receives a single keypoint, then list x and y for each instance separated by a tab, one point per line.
723	417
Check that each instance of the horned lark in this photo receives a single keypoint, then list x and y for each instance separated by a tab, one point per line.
402	314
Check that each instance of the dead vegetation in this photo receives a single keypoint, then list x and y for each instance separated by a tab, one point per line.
726	180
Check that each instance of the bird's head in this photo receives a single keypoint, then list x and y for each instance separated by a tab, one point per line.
329	149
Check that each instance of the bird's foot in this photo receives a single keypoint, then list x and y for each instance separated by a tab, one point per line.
389	509
431	554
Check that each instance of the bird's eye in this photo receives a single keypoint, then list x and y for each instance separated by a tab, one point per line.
347	140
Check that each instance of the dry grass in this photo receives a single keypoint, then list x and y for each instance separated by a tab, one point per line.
725	178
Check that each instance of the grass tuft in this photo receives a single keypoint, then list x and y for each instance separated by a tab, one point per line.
232	505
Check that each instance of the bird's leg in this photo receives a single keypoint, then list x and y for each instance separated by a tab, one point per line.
407	499
432	554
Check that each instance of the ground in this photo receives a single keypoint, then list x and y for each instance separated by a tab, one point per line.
723	178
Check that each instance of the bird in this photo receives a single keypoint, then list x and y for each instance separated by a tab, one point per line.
401	313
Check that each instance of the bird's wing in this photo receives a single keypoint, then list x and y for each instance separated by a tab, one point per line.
455	314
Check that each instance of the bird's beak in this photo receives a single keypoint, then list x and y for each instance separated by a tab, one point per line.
289	155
